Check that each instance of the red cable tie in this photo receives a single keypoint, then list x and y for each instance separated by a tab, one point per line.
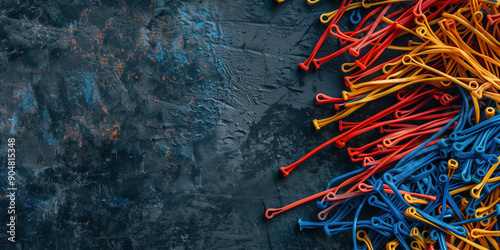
355	50
286	170
493	18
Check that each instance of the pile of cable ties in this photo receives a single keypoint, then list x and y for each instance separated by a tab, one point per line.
431	179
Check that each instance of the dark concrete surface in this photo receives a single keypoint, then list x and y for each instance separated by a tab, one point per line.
162	124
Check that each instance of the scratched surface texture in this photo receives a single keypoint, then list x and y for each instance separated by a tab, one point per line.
162	124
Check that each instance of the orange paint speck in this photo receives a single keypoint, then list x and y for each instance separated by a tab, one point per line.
113	134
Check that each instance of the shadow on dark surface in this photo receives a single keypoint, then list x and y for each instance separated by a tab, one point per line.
162	124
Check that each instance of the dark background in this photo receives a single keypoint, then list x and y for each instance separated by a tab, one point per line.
162	124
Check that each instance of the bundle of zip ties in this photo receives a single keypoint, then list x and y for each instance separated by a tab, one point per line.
431	178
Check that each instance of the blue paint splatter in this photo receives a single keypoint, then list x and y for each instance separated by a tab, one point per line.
141	152
89	88
163	147
27	101
159	54
200	25
34	203
45	117
193	66
48	137
14	124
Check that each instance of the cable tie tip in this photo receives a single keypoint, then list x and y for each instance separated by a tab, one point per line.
316	125
303	66
283	170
